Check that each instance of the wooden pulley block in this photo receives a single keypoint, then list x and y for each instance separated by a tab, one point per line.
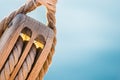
35	33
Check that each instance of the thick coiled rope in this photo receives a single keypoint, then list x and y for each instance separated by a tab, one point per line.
28	7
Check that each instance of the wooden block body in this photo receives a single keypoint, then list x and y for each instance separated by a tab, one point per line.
11	35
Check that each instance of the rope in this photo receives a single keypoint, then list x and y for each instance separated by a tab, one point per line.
47	62
51	23
28	7
12	61
27	65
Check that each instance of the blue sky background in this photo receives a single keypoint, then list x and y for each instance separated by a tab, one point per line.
88	46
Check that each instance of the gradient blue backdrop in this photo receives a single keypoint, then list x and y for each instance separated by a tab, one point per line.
88	46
